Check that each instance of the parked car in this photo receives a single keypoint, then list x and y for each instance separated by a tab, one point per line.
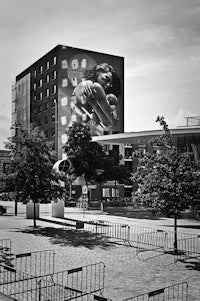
2	209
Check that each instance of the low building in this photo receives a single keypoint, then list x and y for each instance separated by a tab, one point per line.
185	139
5	161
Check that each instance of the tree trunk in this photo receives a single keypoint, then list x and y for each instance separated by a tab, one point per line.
34	212
101	202
175	234
115	190
16	201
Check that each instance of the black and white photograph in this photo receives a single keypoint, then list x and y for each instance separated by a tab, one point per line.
100	150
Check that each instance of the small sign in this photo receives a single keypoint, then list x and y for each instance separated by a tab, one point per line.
92	186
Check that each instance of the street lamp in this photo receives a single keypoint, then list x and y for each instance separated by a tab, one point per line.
99	173
18	149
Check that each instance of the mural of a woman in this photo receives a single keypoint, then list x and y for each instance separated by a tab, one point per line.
95	98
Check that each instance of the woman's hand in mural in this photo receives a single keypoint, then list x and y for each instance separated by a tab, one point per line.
89	93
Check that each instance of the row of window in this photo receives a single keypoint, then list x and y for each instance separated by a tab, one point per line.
46	120
50	133
46	80
46	107
46	93
45	68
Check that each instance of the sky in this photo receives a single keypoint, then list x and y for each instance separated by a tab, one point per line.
159	40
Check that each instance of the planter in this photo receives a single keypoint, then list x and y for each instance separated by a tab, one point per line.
58	206
30	210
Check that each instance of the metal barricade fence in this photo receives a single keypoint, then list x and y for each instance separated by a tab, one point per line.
142	238
35	263
176	292
60	286
5	251
189	248
154	240
188	245
147	239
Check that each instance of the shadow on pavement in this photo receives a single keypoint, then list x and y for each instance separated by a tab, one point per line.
193	265
184	226
74	238
131	214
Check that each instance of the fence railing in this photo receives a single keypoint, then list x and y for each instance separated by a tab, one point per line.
37	263
147	239
5	252
61	286
176	292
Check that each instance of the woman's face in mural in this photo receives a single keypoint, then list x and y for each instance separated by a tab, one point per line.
104	79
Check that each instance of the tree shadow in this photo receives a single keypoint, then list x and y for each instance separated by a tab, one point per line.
134	214
184	226
192	265
70	237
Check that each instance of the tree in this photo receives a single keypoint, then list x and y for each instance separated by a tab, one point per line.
86	156
89	159
33	177
116	171
168	181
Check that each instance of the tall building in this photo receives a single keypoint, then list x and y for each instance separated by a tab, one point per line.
42	93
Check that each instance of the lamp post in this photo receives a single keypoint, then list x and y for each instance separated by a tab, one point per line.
36	181
99	173
18	149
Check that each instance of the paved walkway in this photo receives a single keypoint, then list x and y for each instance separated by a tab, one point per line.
126	273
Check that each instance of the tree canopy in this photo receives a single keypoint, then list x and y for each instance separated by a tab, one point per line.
32	160
168	181
89	159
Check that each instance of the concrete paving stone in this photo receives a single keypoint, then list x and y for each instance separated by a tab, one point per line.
127	273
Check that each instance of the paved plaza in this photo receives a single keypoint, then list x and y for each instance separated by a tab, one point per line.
127	273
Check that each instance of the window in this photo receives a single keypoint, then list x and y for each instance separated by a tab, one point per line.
54	60
53	103
41	69
74	64
54	89
74	81
64	82
34	73
46	133
64	101
47	65
53	117
47	93
39	109
34	86
40	96
83	63
46	106
53	132
63	120
47	79
64	64
54	75
40	83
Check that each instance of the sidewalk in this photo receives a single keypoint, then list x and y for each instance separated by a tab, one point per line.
126	274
